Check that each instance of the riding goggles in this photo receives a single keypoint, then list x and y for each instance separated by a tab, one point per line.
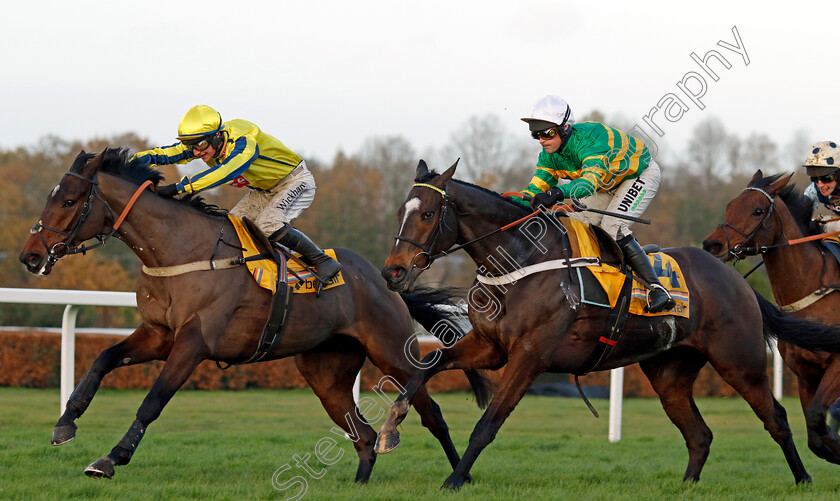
198	143
825	179
544	134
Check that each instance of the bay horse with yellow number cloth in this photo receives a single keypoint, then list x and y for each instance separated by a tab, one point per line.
219	314
540	324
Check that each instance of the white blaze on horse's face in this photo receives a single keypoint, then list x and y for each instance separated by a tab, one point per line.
55	190
410	206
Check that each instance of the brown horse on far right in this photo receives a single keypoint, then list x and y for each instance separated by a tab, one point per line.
762	220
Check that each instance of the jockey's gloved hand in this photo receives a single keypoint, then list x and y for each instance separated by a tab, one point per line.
547	198
168	191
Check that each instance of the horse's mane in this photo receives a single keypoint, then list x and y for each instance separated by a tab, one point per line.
116	161
432	174
798	204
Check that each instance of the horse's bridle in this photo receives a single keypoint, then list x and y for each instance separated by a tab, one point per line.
740	250
52	252
426	248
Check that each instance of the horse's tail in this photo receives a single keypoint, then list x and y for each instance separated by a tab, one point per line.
797	331
440	314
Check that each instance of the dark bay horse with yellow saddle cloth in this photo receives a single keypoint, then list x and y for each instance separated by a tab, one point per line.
540	323
219	314
772	218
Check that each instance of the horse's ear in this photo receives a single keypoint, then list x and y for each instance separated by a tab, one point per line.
93	165
779	184
758	175
447	175
422	170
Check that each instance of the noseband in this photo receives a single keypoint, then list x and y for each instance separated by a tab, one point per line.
426	249
738	251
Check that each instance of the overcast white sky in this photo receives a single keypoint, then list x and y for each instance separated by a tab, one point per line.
324	75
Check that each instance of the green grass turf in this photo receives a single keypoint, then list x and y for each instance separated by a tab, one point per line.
228	445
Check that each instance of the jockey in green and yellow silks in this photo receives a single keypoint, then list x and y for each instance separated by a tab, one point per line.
238	153
602	168
596	157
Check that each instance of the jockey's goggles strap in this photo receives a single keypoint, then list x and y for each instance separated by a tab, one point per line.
442	193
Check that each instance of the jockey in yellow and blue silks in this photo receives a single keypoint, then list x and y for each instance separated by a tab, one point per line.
238	153
601	167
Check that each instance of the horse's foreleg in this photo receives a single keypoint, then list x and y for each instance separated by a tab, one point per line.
187	352
471	352
521	370
143	345
822	440
672	376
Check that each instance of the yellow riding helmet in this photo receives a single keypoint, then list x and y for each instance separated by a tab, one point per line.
199	121
823	159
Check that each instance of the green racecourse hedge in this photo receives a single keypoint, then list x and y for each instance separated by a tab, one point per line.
32	359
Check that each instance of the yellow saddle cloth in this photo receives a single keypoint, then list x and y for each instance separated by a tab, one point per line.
835	239
264	271
612	280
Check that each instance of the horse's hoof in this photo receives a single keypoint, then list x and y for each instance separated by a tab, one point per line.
63	433
387	443
807	480
452	483
101	468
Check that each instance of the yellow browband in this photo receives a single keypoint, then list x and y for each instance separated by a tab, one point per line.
442	193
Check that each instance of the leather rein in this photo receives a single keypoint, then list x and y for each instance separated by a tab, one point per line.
67	245
425	249
740	250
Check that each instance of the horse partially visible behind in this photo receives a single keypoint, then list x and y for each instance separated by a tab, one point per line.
762	220
219	315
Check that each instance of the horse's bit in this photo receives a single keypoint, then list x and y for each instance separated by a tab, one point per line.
52	252
739	250
425	249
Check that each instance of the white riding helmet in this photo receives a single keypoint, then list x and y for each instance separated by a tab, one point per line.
549	111
823	159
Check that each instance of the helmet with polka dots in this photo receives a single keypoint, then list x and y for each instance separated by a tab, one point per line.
823	159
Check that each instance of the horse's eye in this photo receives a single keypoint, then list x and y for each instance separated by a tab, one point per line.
427	215
758	212
69	203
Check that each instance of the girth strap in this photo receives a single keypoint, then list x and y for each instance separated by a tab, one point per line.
273	330
615	328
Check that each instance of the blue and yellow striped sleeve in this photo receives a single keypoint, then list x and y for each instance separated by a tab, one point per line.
165	155
245	151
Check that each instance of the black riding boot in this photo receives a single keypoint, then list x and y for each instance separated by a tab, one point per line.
658	299
326	266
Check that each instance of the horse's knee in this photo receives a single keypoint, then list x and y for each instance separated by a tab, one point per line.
482	435
815	421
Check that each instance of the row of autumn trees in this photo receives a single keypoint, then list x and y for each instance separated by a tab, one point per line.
359	194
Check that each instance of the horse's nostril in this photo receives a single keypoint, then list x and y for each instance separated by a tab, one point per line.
712	246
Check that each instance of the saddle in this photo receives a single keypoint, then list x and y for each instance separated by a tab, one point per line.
832	245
